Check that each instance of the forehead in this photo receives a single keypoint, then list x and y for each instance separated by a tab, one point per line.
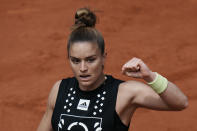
83	49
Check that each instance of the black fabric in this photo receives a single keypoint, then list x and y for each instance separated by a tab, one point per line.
77	110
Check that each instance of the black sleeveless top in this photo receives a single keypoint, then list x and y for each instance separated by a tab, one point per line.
77	110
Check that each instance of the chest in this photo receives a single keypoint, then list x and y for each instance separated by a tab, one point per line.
79	111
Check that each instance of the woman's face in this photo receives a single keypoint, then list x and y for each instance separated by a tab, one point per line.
87	63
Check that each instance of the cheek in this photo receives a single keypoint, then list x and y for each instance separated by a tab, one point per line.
97	66
74	68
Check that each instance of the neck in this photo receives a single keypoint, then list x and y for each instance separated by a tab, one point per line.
95	85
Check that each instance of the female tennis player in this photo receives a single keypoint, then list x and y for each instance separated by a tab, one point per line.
94	101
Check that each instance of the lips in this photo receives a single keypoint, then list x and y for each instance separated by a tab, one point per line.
84	77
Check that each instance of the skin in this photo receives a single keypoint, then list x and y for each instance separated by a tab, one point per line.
86	59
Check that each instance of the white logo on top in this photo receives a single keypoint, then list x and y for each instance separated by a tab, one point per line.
79	122
83	104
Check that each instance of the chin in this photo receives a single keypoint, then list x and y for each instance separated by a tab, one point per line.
85	84
88	83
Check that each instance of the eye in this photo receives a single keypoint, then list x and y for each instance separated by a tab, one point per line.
75	60
90	60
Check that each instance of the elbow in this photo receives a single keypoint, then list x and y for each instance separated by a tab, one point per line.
183	105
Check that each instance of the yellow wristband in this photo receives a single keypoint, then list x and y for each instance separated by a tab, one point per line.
159	84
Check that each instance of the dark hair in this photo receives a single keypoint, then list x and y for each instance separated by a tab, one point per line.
84	30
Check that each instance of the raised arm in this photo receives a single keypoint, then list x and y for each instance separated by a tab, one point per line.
169	98
45	124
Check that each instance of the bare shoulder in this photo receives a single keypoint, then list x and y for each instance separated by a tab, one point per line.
53	94
132	88
127	93
127	90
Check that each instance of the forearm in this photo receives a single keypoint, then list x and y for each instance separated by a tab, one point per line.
172	95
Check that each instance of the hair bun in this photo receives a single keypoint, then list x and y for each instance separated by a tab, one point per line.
84	17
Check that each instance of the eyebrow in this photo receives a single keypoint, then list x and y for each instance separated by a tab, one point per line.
85	57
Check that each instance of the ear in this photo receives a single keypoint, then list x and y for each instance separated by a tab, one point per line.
104	57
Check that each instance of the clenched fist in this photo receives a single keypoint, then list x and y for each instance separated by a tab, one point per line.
138	69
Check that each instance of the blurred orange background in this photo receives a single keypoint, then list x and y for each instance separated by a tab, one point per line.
33	36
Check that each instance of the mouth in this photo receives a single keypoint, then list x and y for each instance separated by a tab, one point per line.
84	77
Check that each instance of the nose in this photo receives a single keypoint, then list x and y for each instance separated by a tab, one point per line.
83	67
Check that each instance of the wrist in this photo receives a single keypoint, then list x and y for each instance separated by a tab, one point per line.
159	84
151	77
